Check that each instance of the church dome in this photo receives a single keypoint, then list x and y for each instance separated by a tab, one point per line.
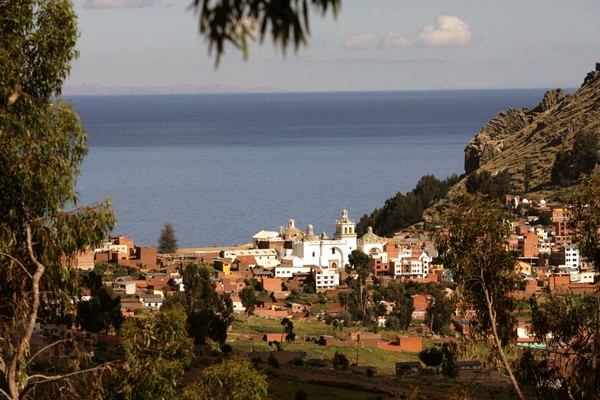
291	232
370	237
310	235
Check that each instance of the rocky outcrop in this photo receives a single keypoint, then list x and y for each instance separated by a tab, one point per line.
519	136
489	142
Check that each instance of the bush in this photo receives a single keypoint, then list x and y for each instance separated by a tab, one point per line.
340	361
273	361
226	348
301	395
431	357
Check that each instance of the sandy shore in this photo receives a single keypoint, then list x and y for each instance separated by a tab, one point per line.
214	248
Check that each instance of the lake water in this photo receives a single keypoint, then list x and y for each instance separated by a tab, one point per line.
221	167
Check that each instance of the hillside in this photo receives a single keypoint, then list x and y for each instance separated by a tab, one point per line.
519	136
510	141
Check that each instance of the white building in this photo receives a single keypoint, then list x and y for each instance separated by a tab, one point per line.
326	278
411	267
372	245
324	252
288	271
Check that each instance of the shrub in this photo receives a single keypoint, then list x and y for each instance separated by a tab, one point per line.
340	361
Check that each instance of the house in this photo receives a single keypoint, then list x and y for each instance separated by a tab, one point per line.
470	371
406	368
420	303
326	278
467	370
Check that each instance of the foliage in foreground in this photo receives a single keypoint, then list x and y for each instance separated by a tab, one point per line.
474	248
234	378
156	351
238	22
42	146
569	324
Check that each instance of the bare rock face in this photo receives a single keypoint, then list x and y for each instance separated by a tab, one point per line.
522	136
551	98
489	142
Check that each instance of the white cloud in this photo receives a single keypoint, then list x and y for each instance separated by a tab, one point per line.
97	4
363	41
449	31
395	39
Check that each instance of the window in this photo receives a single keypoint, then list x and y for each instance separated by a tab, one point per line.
332	251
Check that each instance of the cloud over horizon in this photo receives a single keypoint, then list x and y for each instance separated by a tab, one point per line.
104	4
449	31
362	41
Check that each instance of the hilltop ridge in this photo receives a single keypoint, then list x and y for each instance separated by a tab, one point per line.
517	137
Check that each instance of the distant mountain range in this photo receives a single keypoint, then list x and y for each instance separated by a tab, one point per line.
95	90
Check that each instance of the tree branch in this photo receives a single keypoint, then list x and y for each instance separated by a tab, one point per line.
32	358
31	380
2	392
492	315
23	342
18	262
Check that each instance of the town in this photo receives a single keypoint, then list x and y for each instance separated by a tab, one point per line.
279	269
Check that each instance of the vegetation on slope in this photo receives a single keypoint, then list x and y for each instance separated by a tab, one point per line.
404	210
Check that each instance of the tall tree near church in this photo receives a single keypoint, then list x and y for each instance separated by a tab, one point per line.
167	241
42	145
474	248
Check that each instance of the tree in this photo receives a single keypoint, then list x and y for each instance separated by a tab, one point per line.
580	159
570	324
287	335
401	315
431	357
249	299
234	378
495	186
586	222
438	314
208	313
167	241
156	351
339	361
102	313
566	324
404	210
42	146
474	248
358	264
224	22
527	175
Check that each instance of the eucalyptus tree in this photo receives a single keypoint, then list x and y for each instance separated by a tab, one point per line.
156	350
42	146
473	245
567	323
586	223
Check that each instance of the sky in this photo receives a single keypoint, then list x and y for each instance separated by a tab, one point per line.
371	45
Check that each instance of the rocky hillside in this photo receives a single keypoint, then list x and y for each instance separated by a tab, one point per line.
520	136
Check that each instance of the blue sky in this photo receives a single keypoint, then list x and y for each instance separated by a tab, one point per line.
371	45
